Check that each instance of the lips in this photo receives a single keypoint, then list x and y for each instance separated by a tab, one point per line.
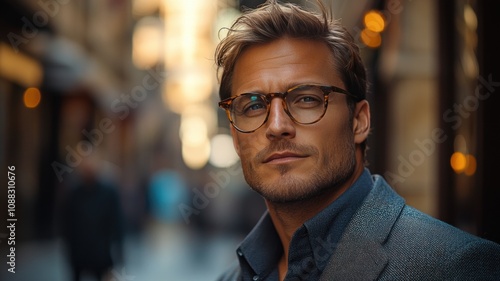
282	156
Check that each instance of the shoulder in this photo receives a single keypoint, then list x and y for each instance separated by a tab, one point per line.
427	244
428	231
417	243
477	259
232	273
409	224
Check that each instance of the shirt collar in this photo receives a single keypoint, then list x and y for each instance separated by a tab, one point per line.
262	248
326	228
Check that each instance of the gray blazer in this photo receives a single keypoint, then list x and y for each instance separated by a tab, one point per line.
388	240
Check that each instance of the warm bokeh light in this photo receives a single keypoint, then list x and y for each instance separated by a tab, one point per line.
374	21
18	67
187	48
463	163
458	162
187	87
188	33
32	97
196	156
222	153
147	43
204	111
193	130
198	121
471	165
470	17
370	38
145	7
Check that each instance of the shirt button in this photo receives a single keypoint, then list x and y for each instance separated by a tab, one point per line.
256	278
239	252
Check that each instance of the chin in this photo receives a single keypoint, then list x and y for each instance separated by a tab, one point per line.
290	190
290	186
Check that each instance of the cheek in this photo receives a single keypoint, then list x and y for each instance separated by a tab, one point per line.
332	138
245	146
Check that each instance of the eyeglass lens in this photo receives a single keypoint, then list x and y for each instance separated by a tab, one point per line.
304	104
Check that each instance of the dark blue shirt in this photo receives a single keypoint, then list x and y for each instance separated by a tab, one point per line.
312	244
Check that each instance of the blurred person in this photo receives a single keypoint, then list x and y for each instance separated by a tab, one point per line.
294	87
167	189
92	223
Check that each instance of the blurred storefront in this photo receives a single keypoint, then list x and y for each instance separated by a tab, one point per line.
433	84
57	78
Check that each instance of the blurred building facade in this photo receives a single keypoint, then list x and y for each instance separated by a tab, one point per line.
80	52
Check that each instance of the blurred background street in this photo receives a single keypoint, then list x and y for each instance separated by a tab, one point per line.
161	254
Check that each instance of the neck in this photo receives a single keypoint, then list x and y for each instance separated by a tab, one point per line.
289	216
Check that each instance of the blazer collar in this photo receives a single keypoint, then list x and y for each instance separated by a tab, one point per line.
360	254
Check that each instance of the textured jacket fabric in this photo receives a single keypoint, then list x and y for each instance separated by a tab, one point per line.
388	240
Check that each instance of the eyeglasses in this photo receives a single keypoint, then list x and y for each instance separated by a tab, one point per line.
304	104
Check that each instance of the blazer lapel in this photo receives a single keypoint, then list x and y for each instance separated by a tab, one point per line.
360	254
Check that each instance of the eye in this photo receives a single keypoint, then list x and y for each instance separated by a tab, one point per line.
309	99
306	97
250	105
254	108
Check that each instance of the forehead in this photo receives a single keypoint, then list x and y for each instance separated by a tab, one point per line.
282	63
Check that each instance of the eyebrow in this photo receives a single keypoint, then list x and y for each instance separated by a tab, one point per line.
288	87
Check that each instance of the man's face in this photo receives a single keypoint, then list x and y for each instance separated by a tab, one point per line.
282	160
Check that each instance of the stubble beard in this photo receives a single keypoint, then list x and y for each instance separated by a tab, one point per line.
330	174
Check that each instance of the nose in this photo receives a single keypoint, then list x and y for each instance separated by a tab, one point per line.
279	124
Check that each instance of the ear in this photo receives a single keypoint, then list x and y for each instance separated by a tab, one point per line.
236	144
361	121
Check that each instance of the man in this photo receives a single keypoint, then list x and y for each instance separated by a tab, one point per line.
293	86
93	223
